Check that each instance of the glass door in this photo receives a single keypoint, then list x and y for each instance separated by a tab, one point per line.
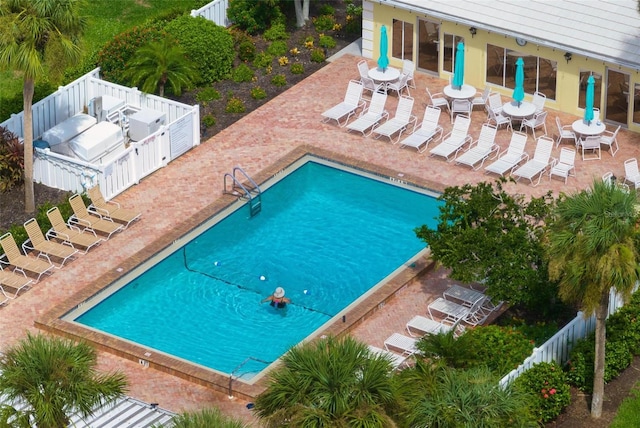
428	45
617	97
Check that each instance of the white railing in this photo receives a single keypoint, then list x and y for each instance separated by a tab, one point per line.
215	11
558	347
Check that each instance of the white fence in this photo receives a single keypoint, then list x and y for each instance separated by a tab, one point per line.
140	159
559	346
215	11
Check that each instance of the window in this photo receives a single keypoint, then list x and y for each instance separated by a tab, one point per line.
636	103
539	73
450	42
402	45
597	88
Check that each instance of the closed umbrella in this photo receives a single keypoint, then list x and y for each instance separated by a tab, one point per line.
588	107
383	60
458	73
518	91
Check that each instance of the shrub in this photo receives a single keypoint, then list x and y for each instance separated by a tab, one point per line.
548	388
297	68
116	53
262	60
318	55
279	80
246	50
208	94
327	9
580	366
253	16
208	45
283	60
258	93
327	42
278	48
235	105
624	325
354	19
242	73
208	120
276	32
323	22
11	160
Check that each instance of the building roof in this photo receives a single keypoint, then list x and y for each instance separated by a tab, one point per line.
608	30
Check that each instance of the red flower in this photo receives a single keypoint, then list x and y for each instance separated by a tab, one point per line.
546	396
552	391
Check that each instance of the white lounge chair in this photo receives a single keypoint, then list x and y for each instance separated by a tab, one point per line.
399	342
469	297
631	172
480	149
399	123
371	116
565	165
540	162
511	157
396	360
419	326
454	313
426	132
453	142
348	107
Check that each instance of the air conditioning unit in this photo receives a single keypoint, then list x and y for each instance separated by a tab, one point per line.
144	123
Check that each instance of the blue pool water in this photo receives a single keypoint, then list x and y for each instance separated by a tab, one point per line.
324	234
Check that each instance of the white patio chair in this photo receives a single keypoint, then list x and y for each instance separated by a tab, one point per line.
590	147
511	157
399	85
480	149
539	100
348	107
481	97
609	139
631	172
495	102
428	130
460	107
399	123
565	166
537	121
539	164
363	69
370	85
408	68
454	141
371	116
438	100
565	133
611	179
499	119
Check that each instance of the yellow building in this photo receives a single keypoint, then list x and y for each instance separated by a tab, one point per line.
562	43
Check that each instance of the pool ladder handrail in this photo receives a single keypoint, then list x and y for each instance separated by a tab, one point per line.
254	195
239	366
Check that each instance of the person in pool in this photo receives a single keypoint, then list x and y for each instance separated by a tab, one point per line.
277	298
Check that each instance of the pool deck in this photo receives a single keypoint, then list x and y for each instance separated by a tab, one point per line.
189	189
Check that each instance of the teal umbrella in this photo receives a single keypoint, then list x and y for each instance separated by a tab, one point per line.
588	107
383	60
458	73
518	91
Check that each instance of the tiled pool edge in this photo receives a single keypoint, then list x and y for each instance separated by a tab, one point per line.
51	321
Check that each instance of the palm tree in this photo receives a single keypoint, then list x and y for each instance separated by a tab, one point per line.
590	245
34	34
328	383
160	63
206	418
54	378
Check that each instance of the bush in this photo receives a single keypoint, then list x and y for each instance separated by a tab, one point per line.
318	55
242	73
235	105
327	42
580	366
11	160
279	80
208	120
253	16
116	53
297	68
548	388
323	23
206	44
326	9
624	325
354	19
207	95
263	60
246	50
278	48
258	93
276	32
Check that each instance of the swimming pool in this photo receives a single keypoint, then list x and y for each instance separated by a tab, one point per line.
326	234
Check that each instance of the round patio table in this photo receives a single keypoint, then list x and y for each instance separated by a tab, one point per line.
582	128
464	93
388	75
522	111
